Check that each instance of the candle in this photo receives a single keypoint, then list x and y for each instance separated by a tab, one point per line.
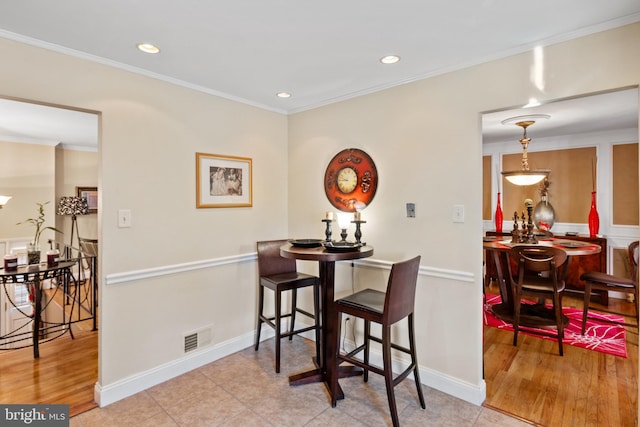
53	257
357	216
10	262
329	216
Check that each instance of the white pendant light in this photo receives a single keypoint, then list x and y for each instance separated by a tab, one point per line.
525	176
4	200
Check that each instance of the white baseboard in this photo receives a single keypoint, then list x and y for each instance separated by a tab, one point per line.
106	395
434	379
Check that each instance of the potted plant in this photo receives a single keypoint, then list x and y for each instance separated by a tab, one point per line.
33	250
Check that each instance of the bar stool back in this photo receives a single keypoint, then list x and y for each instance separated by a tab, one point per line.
385	309
280	275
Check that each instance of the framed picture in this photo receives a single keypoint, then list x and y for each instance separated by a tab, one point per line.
91	194
223	181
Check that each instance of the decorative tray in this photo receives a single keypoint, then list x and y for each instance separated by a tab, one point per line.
306	243
334	246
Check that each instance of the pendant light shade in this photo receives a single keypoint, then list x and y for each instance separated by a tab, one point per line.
4	200
525	176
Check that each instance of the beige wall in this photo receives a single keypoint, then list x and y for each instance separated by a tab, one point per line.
33	173
27	174
571	182
424	137
150	132
76	169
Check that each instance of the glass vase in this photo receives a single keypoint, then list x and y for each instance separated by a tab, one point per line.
594	218
33	254
498	216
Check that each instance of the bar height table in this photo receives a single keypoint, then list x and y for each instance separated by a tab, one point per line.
326	366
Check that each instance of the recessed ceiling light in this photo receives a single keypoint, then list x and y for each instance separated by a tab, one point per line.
148	48
390	59
283	95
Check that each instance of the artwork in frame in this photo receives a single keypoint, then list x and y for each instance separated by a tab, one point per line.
91	194
223	181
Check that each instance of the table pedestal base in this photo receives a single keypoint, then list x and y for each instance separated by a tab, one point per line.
317	375
532	315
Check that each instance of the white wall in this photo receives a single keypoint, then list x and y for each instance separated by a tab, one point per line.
179	268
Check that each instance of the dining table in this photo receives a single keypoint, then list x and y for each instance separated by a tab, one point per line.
326	369
498	248
34	276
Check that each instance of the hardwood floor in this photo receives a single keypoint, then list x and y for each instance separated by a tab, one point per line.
65	373
583	388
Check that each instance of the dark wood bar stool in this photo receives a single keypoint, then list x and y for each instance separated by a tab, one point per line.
280	275
609	282
385	309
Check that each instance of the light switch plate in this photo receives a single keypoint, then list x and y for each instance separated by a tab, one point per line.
411	210
458	213
124	218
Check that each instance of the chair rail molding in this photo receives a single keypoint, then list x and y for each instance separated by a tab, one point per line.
130	276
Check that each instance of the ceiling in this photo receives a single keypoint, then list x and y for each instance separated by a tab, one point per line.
320	52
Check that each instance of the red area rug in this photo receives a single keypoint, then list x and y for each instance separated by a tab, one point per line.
599	336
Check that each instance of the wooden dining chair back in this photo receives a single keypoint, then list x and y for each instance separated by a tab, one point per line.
386	309
538	275
608	282
280	275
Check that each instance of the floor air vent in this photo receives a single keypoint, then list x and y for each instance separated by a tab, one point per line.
198	339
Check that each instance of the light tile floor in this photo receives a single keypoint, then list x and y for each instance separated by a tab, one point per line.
244	390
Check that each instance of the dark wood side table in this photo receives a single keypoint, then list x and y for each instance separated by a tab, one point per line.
325	367
579	265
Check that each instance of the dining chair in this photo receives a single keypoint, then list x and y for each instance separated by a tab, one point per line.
609	282
280	275
386	309
538	275
89	256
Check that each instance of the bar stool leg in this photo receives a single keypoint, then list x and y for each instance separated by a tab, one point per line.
260	316
294	304
278	322
388	373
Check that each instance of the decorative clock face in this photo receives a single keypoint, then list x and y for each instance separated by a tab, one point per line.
350	180
347	180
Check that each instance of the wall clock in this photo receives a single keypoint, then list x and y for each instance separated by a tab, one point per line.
350	180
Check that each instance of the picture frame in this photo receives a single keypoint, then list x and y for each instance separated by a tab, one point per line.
223	181
91	194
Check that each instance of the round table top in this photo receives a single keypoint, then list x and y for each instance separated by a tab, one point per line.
572	247
321	254
36	268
